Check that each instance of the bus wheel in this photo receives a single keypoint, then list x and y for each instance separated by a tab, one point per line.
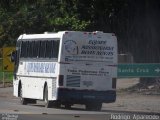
48	104
88	106
32	101
67	106
22	100
56	104
98	106
95	106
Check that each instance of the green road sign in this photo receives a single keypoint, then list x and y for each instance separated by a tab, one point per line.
139	70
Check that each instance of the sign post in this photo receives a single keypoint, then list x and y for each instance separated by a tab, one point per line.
139	70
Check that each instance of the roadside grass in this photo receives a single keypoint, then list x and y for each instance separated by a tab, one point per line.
7	76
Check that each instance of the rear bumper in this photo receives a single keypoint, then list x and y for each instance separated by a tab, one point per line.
83	96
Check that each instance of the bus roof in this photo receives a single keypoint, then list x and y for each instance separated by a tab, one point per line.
37	36
49	35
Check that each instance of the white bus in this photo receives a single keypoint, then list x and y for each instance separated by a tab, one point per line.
66	68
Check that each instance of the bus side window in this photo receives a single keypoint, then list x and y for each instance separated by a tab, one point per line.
27	49
56	47
38	49
13	56
48	48
22	49
52	49
34	49
45	48
41	51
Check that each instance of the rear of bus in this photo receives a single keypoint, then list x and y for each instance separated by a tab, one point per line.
88	69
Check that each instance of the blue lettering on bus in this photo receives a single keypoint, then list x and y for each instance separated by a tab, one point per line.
41	67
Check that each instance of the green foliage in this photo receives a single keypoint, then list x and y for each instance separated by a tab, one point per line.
7	76
38	16
72	23
135	22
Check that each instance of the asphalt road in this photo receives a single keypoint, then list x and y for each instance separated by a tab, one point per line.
11	109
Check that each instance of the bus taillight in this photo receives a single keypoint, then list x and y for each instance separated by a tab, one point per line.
60	80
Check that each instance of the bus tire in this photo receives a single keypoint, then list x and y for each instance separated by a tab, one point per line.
95	106
67	106
23	101
56	104
48	104
32	101
98	106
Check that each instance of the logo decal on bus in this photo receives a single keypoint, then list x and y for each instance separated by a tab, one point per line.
71	47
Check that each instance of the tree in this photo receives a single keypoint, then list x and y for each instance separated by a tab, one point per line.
18	17
135	22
